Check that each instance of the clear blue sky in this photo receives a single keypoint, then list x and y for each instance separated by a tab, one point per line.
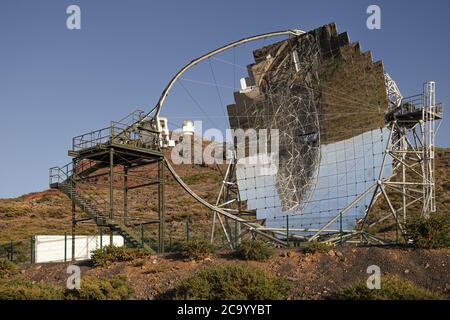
56	83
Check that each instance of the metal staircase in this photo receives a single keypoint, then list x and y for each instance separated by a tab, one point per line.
63	180
124	143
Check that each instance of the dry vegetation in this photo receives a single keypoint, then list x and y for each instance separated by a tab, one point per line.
310	276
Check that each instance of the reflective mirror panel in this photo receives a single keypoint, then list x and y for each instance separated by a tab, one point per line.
328	100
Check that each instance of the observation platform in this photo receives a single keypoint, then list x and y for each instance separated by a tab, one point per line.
412	110
134	140
131	142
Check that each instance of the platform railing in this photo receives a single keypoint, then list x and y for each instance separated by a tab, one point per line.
412	104
55	176
438	110
415	104
60	174
91	139
127	132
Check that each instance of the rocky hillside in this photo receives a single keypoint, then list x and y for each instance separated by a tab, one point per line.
49	212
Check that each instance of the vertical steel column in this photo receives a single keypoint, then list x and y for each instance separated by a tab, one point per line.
111	191
74	221
32	250
73	231
427	144
219	197
404	148
125	196
287	230
235	234
238	198
424	154
429	94
65	246
161	206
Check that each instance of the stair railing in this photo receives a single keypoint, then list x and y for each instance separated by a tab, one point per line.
89	203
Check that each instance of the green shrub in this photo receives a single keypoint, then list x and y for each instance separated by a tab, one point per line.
241	282
105	256
7	269
254	250
196	249
433	232
25	290
116	288
392	288
315	247
139	263
175	246
158	269
21	251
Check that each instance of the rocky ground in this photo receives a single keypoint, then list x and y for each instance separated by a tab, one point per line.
314	276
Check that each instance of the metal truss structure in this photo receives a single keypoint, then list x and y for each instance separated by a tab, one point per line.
412	124
412	148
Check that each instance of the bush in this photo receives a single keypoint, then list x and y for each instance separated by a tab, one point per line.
392	288
116	288
105	256
7	269
433	232
314	247
139	263
254	250
21	250
196	249
232	282
24	290
158	268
